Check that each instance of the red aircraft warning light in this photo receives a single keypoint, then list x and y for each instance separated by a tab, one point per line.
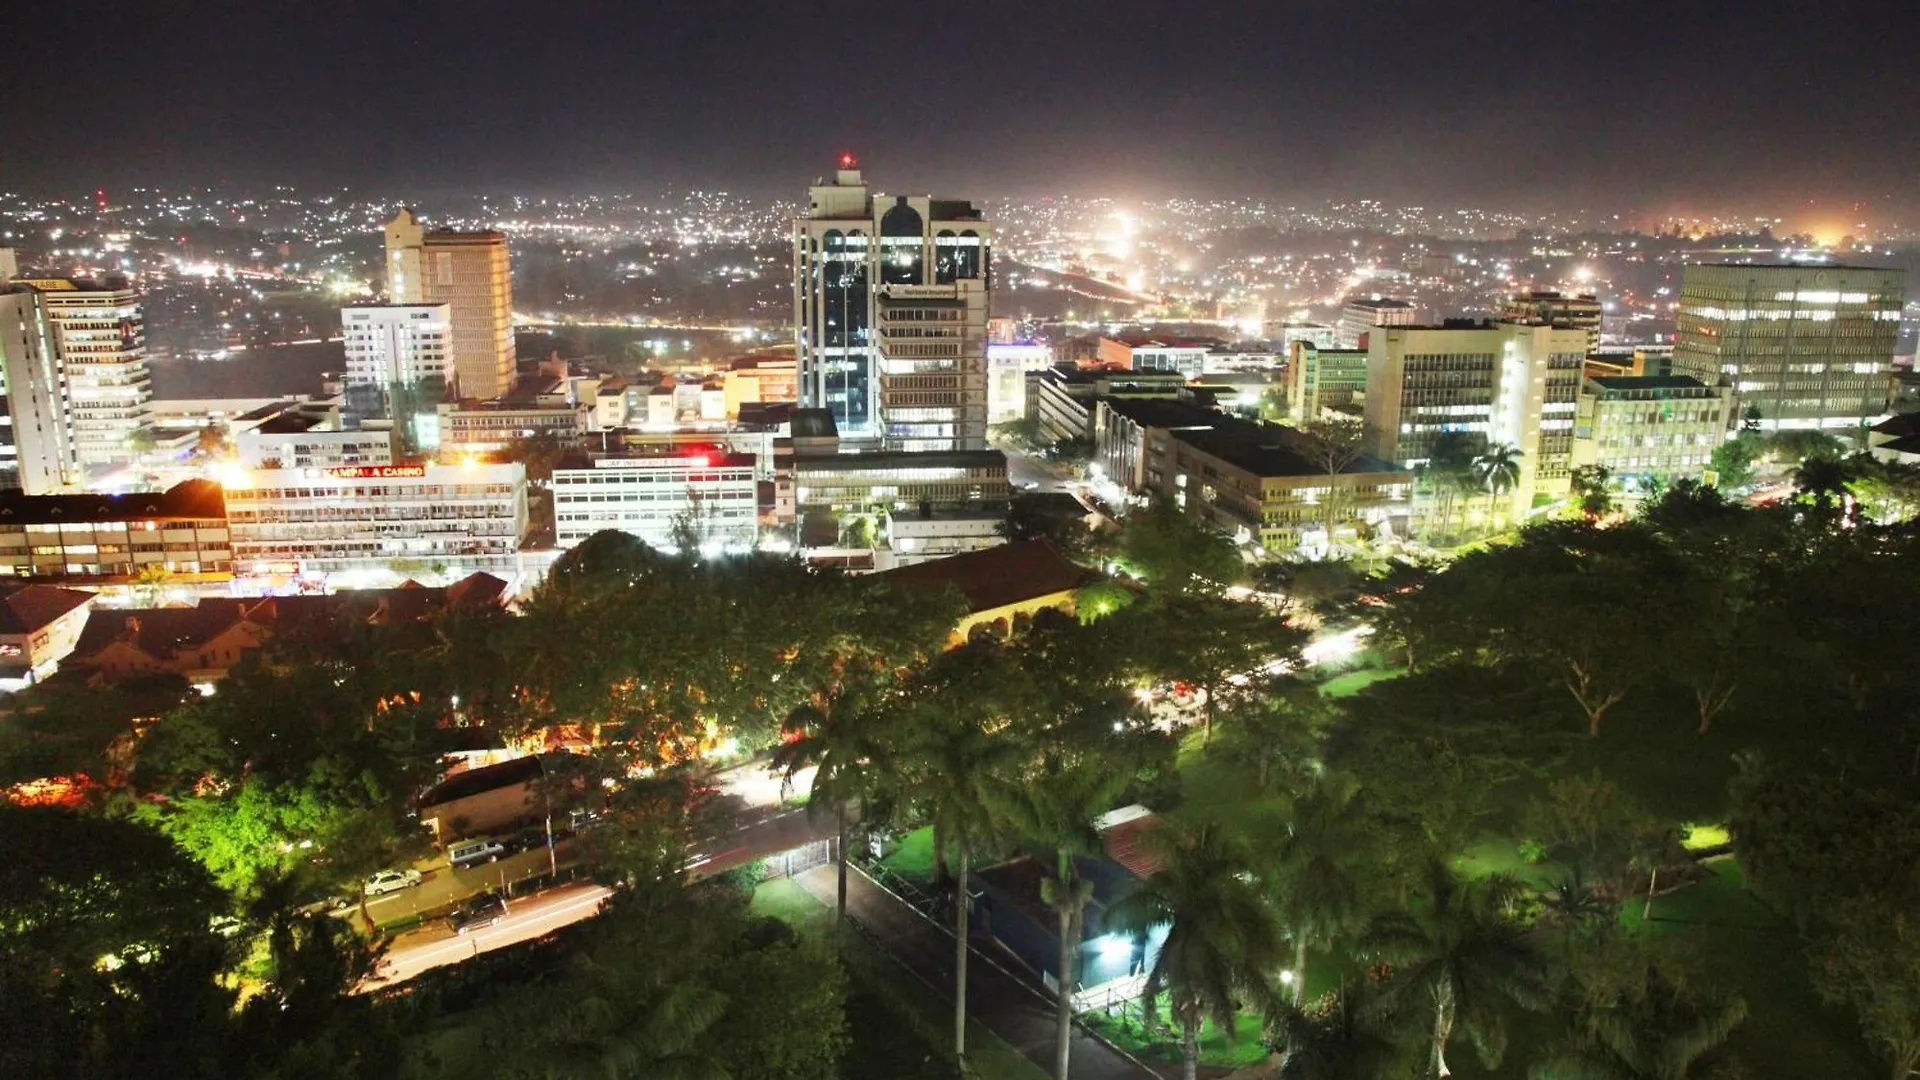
848	161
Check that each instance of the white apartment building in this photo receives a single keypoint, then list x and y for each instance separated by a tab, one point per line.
391	345
35	454
455	517
100	335
891	298
713	494
1008	365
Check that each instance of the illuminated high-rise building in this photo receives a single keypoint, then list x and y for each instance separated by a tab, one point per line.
1363	313
1580	311
100	336
390	345
35	455
891	302
1808	346
470	273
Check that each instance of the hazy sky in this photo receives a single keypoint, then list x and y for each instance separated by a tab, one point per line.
1621	103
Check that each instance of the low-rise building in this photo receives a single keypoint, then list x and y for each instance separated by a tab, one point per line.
922	536
1003	587
204	642
888	481
1008	365
470	516
39	627
703	490
485	427
295	441
180	533
760	379
1651	426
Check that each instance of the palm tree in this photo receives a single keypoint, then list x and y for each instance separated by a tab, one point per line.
844	748
1058	810
1449	467
1458	953
1222	937
1310	874
962	776
1345	1035
1822	480
1658	1033
1498	471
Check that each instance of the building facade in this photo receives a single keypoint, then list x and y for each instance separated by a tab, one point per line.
1651	427
390	345
291	521
891	481
713	495
100	336
1363	313
470	273
291	441
36	454
1323	378
1573	311
1808	346
891	302
1499	384
117	539
483	429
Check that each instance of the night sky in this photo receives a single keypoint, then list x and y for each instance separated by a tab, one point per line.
1685	104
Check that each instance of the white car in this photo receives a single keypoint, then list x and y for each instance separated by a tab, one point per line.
387	881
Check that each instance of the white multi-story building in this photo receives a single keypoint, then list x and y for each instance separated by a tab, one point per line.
1008	365
1363	313
100	336
891	299
453	517
1501	383
391	345
711	494
35	454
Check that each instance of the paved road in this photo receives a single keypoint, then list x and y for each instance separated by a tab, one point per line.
530	917
1010	1006
435	945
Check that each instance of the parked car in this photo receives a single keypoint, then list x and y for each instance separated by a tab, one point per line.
584	819
387	881
469	852
481	911
527	840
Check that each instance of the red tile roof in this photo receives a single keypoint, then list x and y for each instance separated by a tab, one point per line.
997	576
24	610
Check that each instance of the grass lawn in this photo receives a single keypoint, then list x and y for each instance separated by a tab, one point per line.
902	1027
1124	1030
1352	682
1216	786
1497	855
913	858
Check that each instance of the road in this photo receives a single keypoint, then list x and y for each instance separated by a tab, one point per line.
530	917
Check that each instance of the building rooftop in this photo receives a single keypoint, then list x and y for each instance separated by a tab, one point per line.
1379	303
34	607
814	424
1164	413
1269	450
487	778
1899	425
286	423
1166	341
1619	383
195	499
996	577
896	459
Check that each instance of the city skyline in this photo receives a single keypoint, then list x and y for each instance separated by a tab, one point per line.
1627	107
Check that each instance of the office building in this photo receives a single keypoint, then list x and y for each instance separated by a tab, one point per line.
1643	428
469	273
1257	482
1568	311
1320	379
1497	383
1808	346
294	441
1158	352
898	480
891	299
396	517
1008	365
1363	313
114	539
709	494
486	427
1318	335
759	379
36	456
1061	397
100	336
398	345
